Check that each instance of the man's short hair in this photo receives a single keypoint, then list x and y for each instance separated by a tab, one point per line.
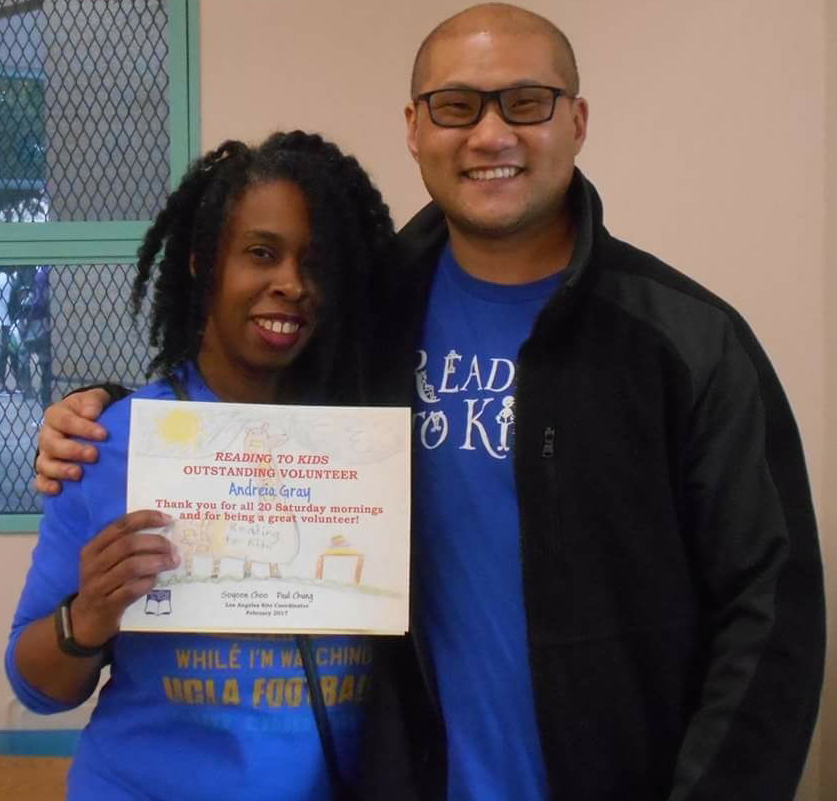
511	19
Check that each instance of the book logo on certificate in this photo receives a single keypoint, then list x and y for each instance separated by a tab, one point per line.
286	518
158	602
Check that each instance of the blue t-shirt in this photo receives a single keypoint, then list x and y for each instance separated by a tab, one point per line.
187	716
467	547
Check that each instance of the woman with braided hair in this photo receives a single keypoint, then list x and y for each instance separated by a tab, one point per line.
264	260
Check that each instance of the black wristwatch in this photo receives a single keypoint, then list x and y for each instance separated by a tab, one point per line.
64	631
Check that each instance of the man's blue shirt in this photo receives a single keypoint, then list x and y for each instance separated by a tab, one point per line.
467	547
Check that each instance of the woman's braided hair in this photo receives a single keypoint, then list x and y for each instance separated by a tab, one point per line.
351	241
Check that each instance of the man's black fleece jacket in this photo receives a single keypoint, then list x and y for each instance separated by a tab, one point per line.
672	578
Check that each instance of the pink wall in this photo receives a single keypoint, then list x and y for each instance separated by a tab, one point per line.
706	135
828	508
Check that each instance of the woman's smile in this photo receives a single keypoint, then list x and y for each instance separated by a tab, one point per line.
280	330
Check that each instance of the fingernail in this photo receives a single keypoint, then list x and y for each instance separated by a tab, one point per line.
165	518
75	473
89	453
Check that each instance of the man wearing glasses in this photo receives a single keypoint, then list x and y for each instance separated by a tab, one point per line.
626	603
618	583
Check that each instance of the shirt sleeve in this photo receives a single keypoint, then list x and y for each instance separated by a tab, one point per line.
52	576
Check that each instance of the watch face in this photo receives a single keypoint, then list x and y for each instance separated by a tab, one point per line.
66	624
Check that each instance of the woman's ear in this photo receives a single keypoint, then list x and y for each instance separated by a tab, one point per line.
192	269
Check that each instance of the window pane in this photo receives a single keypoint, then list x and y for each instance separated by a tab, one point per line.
60	327
83	111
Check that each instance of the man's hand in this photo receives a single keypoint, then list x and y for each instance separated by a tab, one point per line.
119	565
59	455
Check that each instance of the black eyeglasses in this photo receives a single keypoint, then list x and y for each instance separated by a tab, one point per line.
519	105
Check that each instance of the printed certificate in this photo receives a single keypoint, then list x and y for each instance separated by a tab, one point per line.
286	518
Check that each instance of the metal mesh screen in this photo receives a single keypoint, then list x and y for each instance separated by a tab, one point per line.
83	110
62	327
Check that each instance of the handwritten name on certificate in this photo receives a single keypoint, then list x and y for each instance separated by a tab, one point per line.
286	518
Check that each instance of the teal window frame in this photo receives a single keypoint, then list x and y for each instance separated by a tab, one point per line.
109	242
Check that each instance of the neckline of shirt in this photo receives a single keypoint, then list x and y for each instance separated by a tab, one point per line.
497	293
193	380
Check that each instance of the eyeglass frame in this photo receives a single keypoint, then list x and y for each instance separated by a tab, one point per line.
492	94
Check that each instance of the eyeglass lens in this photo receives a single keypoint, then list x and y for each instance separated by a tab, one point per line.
518	104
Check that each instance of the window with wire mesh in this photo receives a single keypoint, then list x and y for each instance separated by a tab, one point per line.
73	326
84	120
83	110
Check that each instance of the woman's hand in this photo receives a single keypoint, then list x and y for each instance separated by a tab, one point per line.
59	456
118	566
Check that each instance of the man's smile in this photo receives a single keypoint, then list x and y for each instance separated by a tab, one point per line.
492	173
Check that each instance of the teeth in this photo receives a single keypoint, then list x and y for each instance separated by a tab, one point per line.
277	326
493	174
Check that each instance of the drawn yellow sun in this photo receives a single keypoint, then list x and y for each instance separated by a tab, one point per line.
179	427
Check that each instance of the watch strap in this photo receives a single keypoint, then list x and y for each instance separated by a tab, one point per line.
64	632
